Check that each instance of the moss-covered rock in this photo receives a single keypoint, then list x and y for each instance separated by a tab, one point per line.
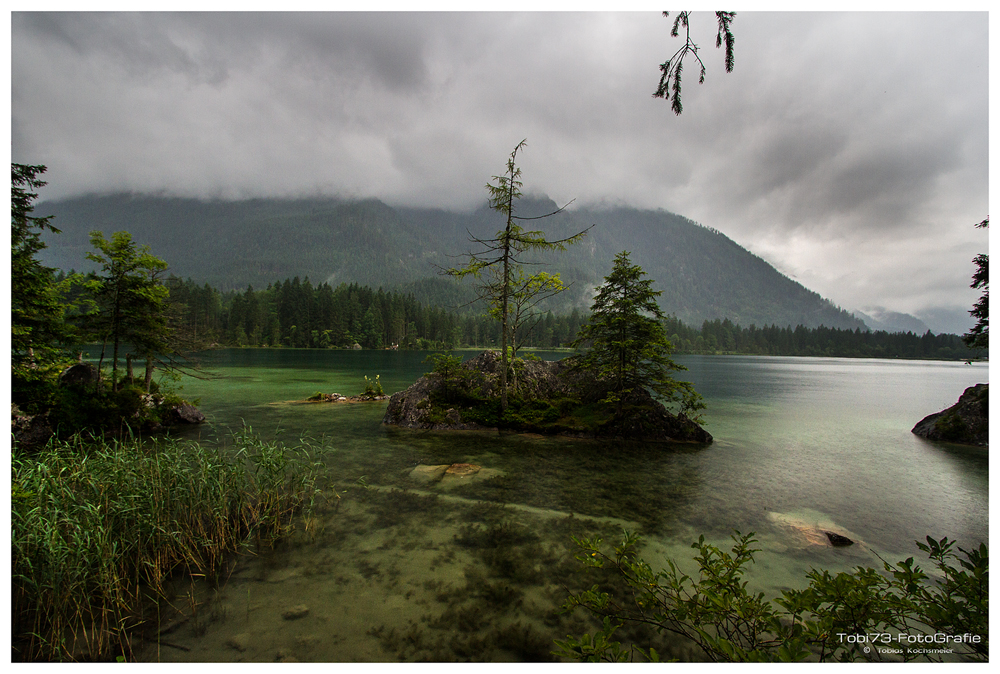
547	397
966	422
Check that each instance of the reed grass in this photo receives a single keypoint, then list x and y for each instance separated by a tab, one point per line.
97	529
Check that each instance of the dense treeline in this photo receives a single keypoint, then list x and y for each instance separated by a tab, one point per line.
294	313
726	337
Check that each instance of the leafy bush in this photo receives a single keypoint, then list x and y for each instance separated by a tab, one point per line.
454	378
530	413
859	616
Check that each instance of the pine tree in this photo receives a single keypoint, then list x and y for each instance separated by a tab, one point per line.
496	266
131	301
671	71
628	344
979	336
36	314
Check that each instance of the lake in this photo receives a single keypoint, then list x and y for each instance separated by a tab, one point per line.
476	569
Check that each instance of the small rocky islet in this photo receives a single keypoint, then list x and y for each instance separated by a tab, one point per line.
966	422
546	397
340	398
32	432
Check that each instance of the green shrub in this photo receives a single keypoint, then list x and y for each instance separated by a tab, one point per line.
716	611
530	413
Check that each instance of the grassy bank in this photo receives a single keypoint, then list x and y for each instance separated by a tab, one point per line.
98	529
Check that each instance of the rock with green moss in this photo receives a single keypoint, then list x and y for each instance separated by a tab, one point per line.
548	397
966	422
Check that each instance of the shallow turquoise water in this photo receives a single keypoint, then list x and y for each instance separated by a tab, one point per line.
800	443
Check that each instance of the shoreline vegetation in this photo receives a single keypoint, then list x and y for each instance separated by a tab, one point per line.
568	350
349	316
105	532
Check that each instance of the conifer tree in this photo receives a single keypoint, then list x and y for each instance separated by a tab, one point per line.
496	265
36	314
131	301
979	336
627	340
672	69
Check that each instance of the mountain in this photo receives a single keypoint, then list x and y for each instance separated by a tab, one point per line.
879	318
947	320
703	274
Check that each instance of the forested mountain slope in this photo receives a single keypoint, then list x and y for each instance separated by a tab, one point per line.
703	274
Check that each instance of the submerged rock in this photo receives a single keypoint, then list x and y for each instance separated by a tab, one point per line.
837	540
338	398
449	475
809	528
552	393
296	612
462	469
239	642
428	474
966	422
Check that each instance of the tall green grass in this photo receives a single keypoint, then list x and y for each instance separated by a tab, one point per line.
97	529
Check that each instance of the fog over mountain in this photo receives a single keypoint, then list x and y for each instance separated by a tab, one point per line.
846	149
701	273
877	318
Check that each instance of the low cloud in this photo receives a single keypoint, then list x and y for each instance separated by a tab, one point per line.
849	149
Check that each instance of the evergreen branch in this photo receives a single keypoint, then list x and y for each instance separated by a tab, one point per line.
671	71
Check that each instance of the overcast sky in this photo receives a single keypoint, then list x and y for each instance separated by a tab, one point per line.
850	150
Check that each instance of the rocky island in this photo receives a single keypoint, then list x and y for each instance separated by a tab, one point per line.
77	404
966	422
547	397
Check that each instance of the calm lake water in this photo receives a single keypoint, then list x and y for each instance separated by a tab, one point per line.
476	569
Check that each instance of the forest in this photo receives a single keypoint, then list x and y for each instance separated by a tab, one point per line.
295	313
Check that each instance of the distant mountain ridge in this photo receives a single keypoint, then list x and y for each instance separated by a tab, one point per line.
879	318
703	274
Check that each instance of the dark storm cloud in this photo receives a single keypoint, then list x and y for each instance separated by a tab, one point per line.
852	111
845	148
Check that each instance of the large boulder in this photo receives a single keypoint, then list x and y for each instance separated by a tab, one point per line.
966	422
81	374
29	431
185	414
643	418
647	419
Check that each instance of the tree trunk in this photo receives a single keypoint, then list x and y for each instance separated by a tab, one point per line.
100	366
149	371
505	294
114	366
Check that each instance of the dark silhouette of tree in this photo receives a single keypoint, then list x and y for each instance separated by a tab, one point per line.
130	298
36	312
672	69
979	336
